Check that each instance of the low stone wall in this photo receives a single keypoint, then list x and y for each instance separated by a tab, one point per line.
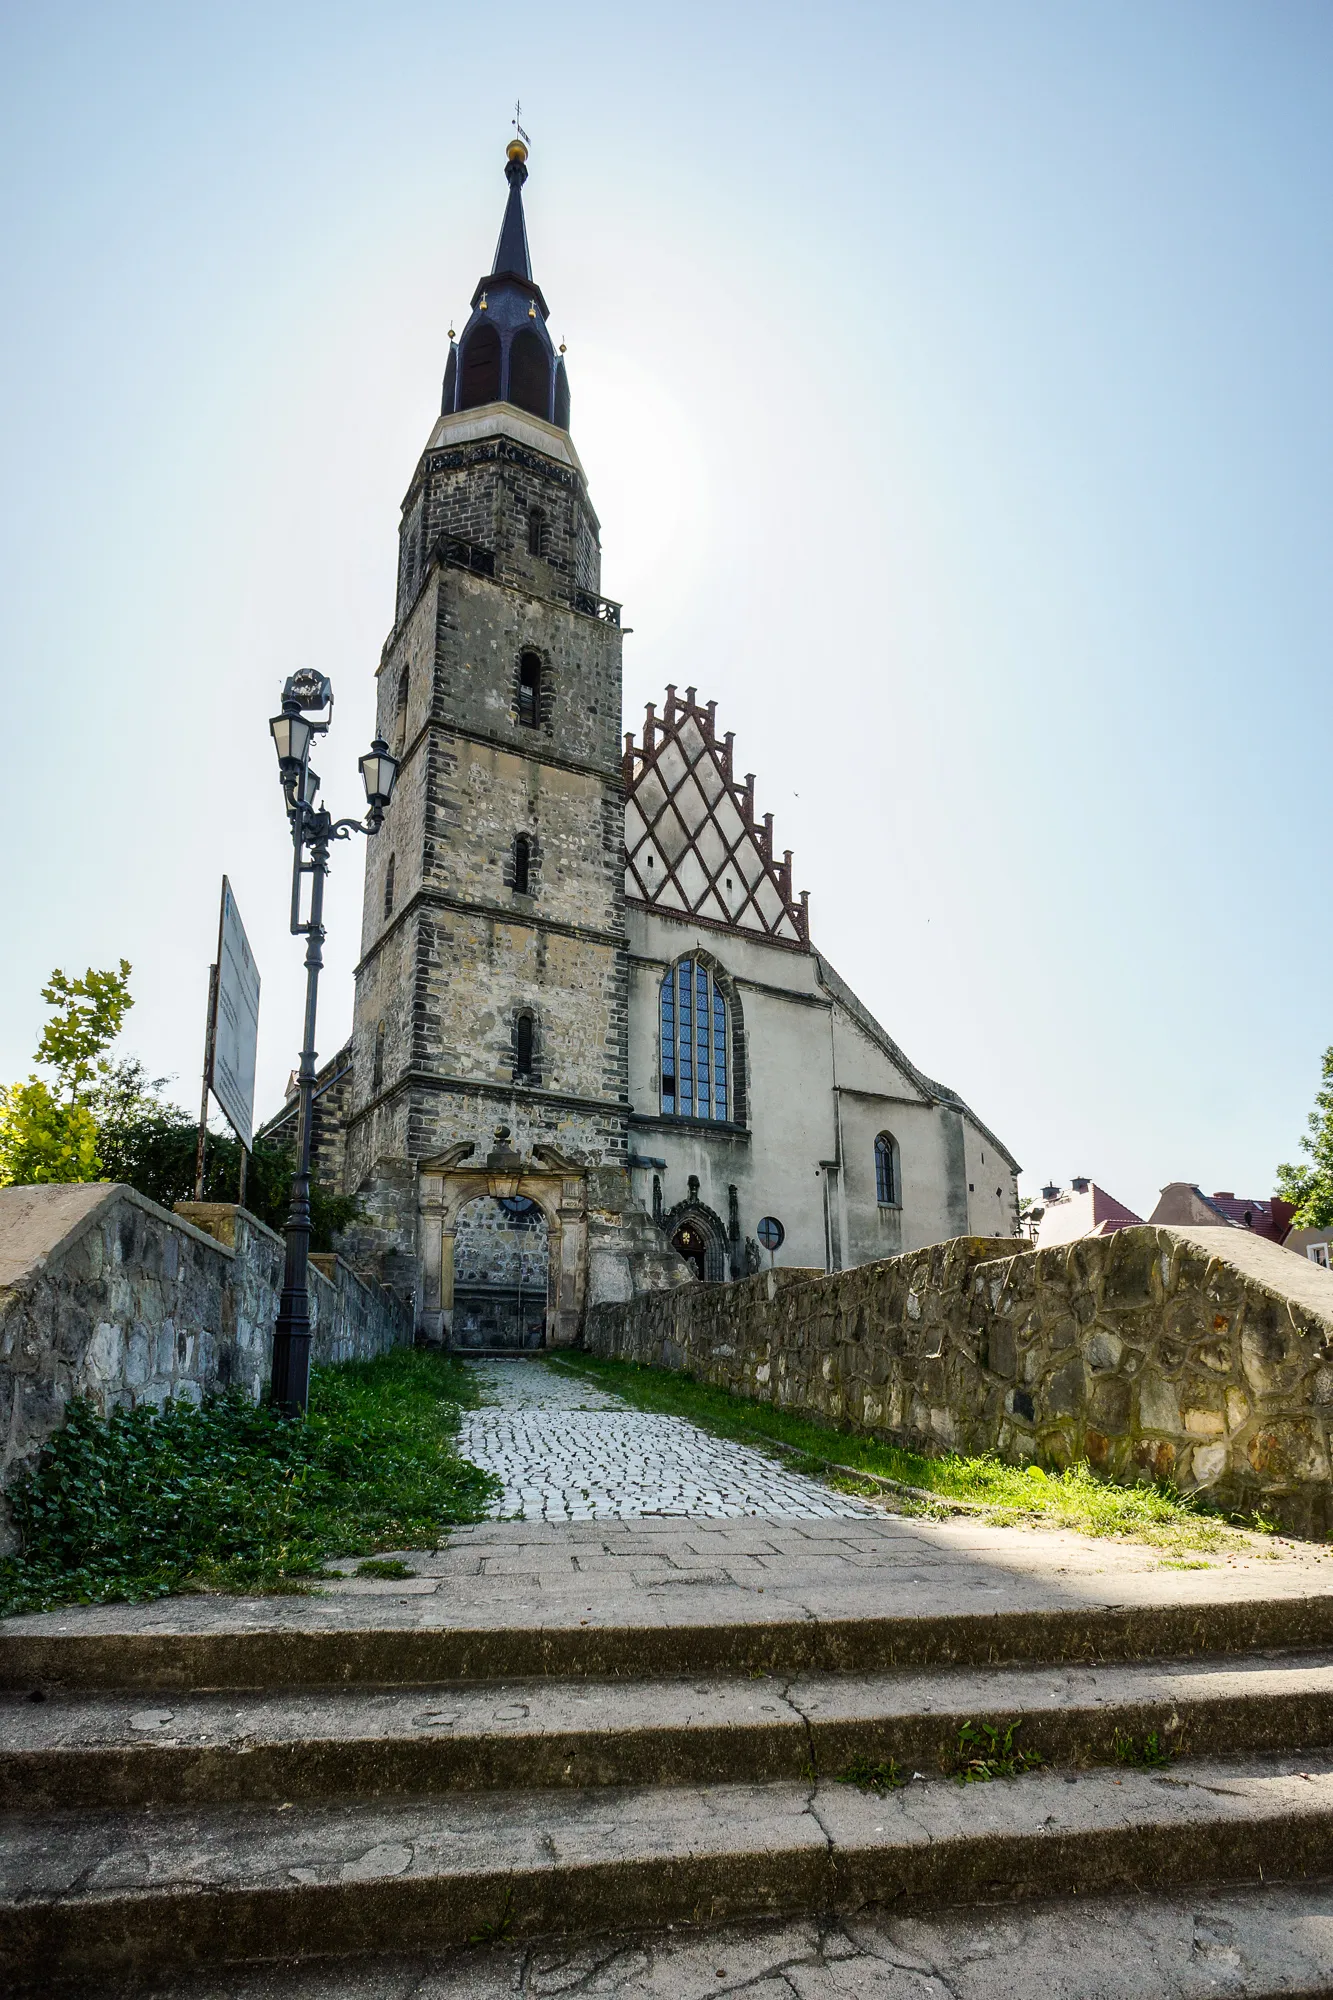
1204	1357
105	1295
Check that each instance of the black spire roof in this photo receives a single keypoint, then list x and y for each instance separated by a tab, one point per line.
506	354
511	252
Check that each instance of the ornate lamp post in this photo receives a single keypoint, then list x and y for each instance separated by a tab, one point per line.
304	697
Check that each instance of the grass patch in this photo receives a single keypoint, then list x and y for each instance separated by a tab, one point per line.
1075	1499
881	1779
983	1754
229	1496
1145	1755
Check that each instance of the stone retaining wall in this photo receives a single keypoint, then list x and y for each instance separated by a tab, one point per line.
1203	1357
105	1295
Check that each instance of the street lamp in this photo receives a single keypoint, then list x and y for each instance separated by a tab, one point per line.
304	696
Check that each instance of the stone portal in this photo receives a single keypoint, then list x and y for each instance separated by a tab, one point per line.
504	1248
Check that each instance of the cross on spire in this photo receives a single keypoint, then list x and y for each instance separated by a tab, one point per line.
518	112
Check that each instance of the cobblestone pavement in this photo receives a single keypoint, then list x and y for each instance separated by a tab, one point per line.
568	1451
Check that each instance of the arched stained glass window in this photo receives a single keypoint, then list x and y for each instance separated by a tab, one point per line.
694	1043
886	1171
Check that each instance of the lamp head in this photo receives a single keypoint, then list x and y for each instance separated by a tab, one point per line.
378	772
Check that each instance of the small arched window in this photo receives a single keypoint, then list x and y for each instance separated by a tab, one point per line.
403	682
377	1077
536	532
480	372
388	887
523	1045
530	374
522	863
886	1171
694	1043
529	689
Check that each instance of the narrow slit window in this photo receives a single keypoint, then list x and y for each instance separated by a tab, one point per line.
529	689
523	1045
377	1072
522	863
536	532
388	886
694	1043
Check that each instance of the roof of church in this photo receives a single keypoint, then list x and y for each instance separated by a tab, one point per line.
692	843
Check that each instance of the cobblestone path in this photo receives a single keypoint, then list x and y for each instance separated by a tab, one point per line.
568	1451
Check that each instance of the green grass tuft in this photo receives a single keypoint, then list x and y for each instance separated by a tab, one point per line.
881	1778
1009	1494
1148	1755
229	1496
983	1754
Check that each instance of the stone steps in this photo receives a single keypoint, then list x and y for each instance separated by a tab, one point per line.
565	1746
98	1895
246	1645
104	1751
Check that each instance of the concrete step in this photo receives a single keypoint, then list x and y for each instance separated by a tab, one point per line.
100	1895
387	1637
111	1750
1248	1943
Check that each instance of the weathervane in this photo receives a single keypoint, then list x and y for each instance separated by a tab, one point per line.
518	111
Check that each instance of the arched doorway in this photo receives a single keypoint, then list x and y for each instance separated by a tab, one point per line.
691	1239
501	1273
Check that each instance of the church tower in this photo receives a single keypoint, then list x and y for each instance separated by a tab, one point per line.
490	1036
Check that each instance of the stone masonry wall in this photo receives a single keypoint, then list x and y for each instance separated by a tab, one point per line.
105	1295
1204	1357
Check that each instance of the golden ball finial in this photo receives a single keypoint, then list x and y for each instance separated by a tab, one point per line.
516	150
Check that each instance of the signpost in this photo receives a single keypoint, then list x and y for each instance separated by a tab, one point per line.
772	1235
231	1037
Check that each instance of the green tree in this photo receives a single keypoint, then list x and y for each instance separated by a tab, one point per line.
49	1133
107	1119
1311	1187
149	1143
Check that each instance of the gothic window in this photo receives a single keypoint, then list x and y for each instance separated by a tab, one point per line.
523	1045
400	708
536	532
388	888
530	374
377	1078
529	689
522	864
694	1033
481	369
886	1171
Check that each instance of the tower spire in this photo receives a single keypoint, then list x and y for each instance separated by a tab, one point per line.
505	354
511	252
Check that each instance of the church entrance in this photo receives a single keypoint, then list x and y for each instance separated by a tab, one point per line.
501	1270
692	1242
504	1247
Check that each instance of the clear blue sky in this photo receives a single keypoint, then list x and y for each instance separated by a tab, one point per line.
953	382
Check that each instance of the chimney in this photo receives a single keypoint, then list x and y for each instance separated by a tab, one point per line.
1049	1193
1079	1184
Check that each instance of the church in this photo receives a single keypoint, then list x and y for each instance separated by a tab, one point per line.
595	1047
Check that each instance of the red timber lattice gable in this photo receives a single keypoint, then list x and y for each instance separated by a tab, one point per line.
692	843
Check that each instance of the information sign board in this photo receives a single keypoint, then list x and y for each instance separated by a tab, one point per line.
235	1026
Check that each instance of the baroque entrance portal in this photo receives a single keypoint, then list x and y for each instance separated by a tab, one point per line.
480	1230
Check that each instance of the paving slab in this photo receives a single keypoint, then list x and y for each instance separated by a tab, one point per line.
652	1603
